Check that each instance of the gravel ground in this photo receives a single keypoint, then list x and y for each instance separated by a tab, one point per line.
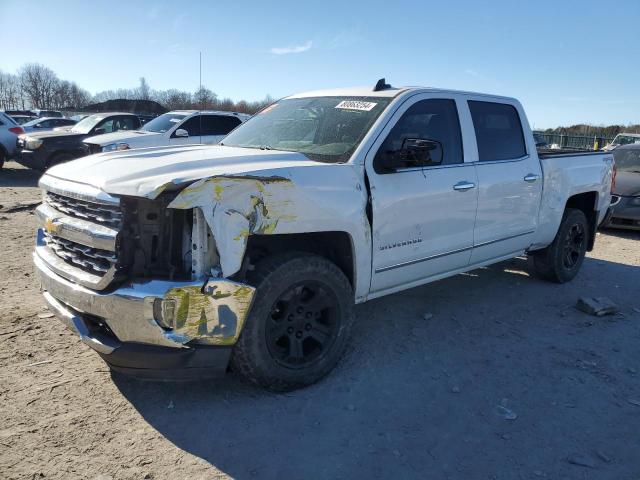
490	374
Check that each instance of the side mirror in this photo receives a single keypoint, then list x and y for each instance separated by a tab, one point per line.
181	133
99	131
415	152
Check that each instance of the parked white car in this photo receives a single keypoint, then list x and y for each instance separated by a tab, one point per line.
180	127
177	262
9	131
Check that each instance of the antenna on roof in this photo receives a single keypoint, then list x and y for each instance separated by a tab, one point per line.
201	97
381	85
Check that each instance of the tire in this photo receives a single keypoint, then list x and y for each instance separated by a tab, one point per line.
299	324
58	158
561	261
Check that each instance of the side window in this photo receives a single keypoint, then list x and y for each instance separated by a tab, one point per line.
427	134
106	125
123	123
498	131
192	126
46	124
218	124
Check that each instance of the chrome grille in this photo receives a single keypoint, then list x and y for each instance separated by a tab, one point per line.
89	259
100	213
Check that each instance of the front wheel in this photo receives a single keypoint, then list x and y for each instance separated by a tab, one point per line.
561	261
299	323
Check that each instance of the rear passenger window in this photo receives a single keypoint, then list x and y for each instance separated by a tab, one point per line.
498	131
218	124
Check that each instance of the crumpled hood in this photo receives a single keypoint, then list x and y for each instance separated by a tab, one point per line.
627	184
121	136
146	172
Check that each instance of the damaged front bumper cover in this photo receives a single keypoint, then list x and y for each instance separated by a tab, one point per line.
154	327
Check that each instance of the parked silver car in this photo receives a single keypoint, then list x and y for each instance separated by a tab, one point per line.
47	123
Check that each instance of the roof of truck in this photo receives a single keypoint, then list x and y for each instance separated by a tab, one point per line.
215	112
387	92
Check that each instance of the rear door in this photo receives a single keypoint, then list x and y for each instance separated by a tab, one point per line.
509	178
423	215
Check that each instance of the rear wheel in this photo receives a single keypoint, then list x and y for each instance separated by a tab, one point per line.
561	261
299	324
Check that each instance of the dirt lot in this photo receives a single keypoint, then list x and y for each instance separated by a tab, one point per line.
505	380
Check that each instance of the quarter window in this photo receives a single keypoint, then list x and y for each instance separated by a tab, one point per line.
498	131
427	134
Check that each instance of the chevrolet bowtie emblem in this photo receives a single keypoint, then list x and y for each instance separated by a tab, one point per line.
50	226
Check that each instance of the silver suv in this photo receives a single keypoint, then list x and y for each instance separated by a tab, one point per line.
9	131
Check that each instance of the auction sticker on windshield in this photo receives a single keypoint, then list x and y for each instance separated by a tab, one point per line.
356	105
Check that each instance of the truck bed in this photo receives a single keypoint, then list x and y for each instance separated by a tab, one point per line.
555	153
567	174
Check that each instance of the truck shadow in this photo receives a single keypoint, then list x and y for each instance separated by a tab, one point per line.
15	175
431	383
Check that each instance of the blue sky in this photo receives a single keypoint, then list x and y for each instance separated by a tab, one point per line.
567	61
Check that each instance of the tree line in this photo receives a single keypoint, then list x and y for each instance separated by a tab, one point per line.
37	86
594	131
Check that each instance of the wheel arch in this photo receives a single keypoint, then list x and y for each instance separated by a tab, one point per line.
587	203
335	246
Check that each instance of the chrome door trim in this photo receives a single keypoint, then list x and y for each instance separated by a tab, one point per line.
420	260
452	252
504	238
492	162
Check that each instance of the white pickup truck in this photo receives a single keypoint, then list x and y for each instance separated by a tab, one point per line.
179	127
179	262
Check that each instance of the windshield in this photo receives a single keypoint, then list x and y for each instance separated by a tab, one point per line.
86	124
163	123
627	160
625	139
326	129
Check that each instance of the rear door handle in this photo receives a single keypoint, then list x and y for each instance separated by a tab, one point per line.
531	177
464	186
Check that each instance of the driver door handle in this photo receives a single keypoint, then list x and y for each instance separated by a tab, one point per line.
531	177
464	186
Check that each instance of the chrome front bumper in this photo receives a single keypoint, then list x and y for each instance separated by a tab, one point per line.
209	312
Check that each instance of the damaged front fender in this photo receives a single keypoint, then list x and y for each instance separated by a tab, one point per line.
235	207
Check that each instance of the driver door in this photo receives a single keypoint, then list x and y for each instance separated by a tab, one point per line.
423	210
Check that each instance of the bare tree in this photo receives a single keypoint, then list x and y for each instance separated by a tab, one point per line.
143	92
204	98
10	92
39	84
